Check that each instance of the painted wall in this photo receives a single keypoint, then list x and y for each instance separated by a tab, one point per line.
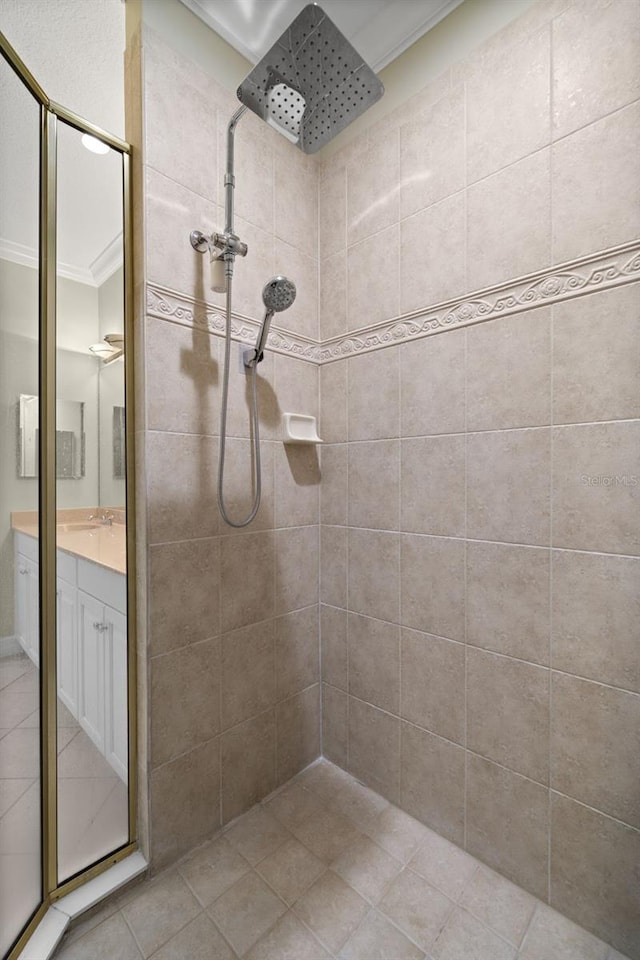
480	573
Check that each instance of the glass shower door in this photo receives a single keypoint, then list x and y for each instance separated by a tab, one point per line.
20	726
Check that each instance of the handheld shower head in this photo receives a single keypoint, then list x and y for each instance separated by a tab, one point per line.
278	294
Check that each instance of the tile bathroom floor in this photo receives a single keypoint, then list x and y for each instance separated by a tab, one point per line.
327	868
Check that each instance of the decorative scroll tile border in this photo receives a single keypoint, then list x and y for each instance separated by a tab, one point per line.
166	304
601	271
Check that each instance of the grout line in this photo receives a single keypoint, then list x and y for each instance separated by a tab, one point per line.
465	602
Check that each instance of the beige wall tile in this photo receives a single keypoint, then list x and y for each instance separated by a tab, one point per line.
508	486
184	594
250	275
509	372
374	748
185	700
508	712
296	197
433	486
591	509
182	376
432	154
595	197
332	195
296	560
508	222
298	732
596	611
333	565
241	394
595	746
334	483
239	484
172	211
432	781
508	824
247	559
373	279
333	627
335	725
248	672
297	484
333	296
374	662
596	341
296	386
374	396
333	388
191	782
373	201
594	872
432	261
432	690
374	563
507	600
181	488
254	162
432	383
595	62
432	585
302	315
374	484
248	760
297	651
511	101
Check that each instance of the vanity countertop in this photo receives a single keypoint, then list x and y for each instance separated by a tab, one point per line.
104	544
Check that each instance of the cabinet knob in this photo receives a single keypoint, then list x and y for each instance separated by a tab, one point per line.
22	571
100	627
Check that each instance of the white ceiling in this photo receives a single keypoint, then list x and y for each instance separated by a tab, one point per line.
380	30
75	50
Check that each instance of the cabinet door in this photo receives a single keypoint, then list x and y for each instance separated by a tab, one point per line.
22	602
117	742
27	625
91	633
67	641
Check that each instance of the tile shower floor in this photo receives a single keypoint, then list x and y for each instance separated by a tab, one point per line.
327	868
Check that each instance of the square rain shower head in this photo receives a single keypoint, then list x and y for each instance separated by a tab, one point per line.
312	83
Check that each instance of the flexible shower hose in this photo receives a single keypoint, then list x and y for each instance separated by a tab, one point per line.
254	426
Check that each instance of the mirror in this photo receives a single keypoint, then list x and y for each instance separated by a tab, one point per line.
70	438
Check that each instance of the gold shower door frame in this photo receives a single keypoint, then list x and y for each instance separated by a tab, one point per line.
50	113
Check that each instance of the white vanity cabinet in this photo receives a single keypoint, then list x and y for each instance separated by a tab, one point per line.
91	643
27	588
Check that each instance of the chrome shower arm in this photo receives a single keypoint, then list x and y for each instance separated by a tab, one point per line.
229	177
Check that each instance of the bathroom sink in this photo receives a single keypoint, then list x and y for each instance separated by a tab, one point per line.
76	527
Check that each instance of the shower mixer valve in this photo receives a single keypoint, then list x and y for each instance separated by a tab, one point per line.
221	246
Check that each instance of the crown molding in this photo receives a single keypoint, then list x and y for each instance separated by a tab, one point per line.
590	274
28	257
107	262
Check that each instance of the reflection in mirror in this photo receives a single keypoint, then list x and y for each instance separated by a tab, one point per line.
70	438
20	812
91	530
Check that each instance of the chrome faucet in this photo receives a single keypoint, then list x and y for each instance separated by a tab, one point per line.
104	518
